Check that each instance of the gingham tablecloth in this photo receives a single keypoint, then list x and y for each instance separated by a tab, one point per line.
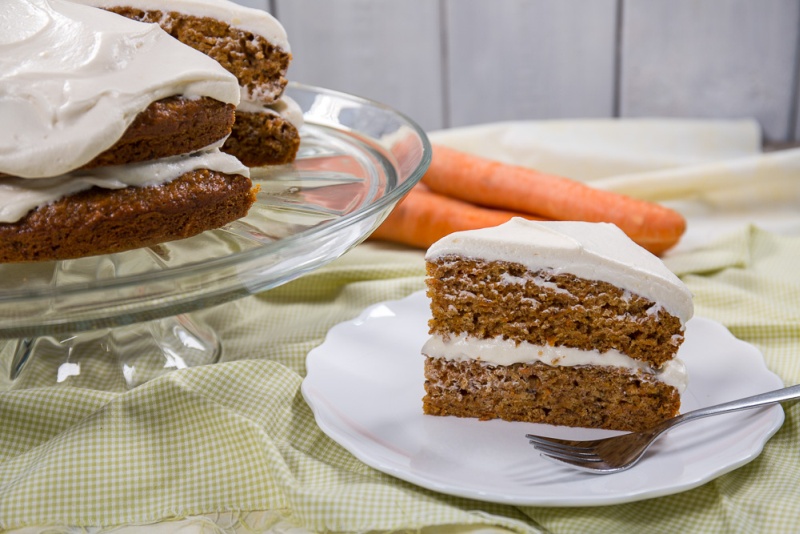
234	446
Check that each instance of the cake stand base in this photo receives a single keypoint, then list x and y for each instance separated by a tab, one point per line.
113	358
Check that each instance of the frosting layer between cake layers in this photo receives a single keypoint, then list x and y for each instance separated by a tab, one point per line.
285	108
498	351
73	78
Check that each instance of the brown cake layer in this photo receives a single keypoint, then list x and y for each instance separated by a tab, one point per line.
259	65
478	298
583	396
262	139
104	221
170	127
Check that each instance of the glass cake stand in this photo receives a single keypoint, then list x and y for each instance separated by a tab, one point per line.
357	159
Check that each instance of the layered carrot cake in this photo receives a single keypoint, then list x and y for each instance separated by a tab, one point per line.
563	323
111	135
249	43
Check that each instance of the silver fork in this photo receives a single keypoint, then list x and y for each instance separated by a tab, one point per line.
618	453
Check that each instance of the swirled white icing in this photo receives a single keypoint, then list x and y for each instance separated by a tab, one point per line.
595	251
499	351
73	78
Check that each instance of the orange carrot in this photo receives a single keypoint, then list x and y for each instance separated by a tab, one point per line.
423	217
494	184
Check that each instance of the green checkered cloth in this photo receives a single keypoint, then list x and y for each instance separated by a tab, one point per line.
237	436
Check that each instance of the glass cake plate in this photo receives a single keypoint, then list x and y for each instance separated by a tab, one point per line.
356	160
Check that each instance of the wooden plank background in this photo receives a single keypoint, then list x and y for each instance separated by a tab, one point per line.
449	63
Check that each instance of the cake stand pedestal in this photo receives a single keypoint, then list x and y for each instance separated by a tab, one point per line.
126	356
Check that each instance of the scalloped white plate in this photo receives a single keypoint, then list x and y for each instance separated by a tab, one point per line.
365	385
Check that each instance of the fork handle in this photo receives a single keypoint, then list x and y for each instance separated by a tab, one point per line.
771	397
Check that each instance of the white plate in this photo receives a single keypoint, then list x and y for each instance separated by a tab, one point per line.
365	385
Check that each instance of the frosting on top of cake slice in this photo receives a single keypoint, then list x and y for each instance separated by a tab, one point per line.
595	251
74	77
255	21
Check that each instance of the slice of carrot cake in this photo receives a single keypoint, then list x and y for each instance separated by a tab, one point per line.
564	323
249	43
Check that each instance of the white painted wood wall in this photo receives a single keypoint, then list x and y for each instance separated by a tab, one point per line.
449	63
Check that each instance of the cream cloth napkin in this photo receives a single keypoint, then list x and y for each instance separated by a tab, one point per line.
590	150
233	447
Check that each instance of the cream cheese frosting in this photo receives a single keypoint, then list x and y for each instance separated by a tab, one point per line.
255	21
18	195
73	78
499	351
595	251
285	107
248	19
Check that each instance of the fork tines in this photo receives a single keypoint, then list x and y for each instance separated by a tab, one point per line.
564	452
560	443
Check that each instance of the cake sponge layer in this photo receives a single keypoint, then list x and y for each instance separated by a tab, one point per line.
583	396
104	221
489	299
169	127
260	139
